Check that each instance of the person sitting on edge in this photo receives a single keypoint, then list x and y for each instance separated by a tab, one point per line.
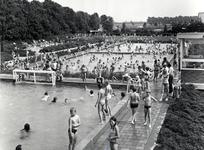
45	96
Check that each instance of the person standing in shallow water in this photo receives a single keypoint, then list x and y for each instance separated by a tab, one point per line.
101	103
74	122
114	134
108	94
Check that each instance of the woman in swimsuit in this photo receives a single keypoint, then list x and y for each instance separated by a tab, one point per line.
114	134
134	100
156	69
108	94
165	85
101	103
74	122
147	107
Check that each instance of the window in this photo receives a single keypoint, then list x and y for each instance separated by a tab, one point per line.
193	54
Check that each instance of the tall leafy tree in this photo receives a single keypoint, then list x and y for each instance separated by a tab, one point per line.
123	27
107	23
94	21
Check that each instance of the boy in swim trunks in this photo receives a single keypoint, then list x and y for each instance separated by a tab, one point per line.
74	122
147	107
133	99
101	103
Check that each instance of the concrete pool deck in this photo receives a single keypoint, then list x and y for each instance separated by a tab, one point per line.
136	136
132	137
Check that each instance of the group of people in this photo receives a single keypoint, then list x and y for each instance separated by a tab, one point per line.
138	88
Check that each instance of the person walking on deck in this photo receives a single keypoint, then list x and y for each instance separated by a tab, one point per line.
133	101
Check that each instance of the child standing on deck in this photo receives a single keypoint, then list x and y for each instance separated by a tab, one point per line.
147	107
133	100
74	122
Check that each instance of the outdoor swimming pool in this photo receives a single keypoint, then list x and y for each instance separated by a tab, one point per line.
20	104
148	59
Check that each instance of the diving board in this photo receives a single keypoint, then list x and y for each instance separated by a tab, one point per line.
30	76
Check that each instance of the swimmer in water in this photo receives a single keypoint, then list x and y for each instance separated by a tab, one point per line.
122	95
91	92
65	101
45	97
18	147
54	100
25	132
74	122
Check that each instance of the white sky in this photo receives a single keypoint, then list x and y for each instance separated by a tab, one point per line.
135	10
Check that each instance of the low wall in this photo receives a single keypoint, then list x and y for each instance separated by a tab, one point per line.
88	142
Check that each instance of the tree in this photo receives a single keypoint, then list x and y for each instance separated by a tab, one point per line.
82	21
107	23
144	25
165	28
94	21
196	26
123	27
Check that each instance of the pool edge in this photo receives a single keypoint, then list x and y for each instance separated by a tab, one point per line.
95	134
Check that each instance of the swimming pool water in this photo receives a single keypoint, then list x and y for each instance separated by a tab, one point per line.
20	104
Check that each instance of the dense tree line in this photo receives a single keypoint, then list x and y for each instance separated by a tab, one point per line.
24	20
171	20
179	23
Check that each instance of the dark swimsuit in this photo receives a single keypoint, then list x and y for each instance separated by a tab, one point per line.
73	130
147	107
133	105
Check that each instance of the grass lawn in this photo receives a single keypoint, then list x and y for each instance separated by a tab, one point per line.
183	127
